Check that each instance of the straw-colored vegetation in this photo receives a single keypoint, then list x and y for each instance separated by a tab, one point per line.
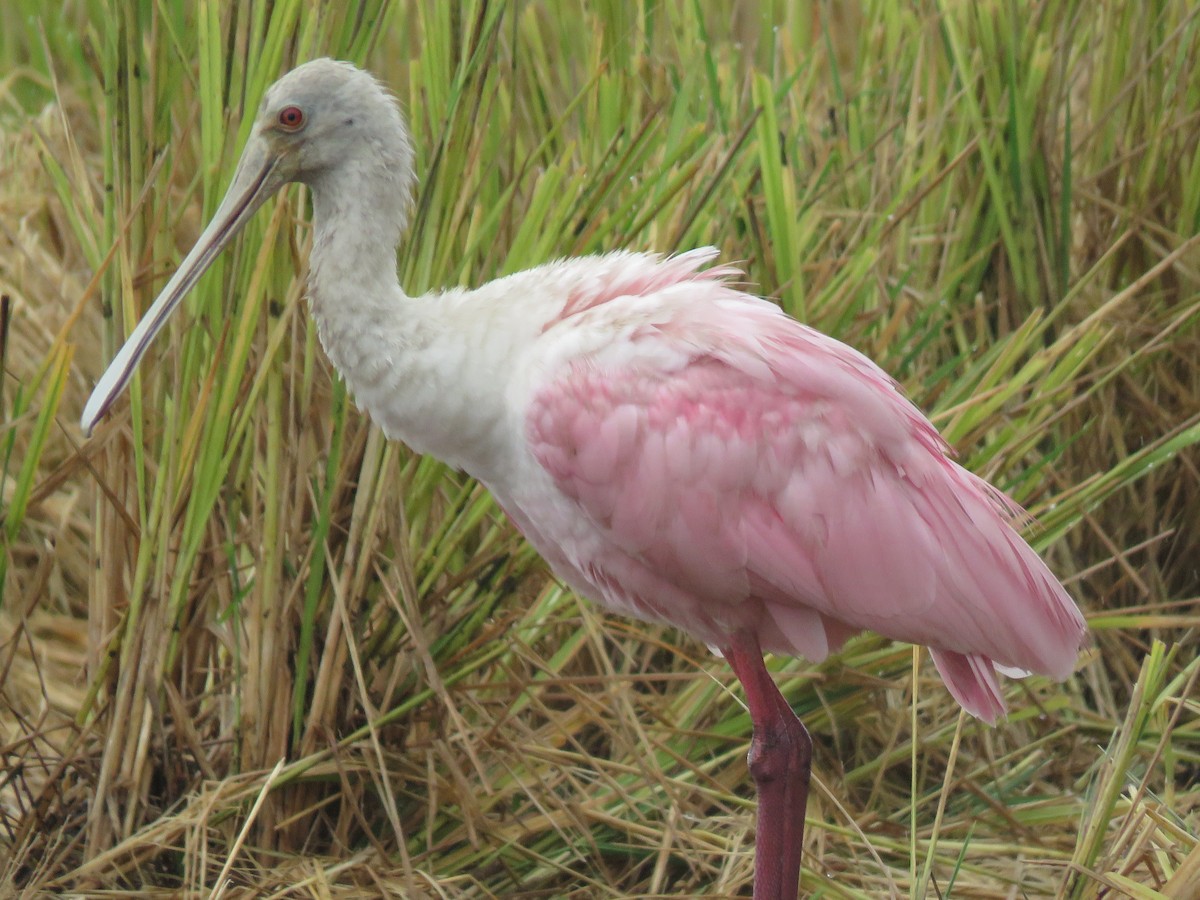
247	647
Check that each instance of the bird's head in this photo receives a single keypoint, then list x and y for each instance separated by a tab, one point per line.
325	123
322	118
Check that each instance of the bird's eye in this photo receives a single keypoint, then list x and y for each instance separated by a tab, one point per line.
291	118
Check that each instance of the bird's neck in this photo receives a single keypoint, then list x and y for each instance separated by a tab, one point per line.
357	223
360	212
406	360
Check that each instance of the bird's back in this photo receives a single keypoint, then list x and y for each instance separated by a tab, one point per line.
706	461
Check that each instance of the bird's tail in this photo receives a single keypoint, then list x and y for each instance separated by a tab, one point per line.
973	682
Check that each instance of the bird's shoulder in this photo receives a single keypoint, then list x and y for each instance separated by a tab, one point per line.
714	364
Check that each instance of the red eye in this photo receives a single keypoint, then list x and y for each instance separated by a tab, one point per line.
291	118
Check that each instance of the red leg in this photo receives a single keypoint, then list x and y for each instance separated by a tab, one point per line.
779	759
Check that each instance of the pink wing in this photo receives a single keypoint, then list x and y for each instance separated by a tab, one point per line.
778	481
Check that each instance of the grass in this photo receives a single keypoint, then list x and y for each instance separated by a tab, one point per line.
247	647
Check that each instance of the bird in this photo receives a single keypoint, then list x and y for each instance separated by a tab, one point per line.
678	450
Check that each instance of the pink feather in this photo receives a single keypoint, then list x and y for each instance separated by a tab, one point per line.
772	479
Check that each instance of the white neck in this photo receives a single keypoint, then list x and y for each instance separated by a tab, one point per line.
410	363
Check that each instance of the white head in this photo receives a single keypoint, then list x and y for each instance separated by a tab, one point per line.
327	124
327	119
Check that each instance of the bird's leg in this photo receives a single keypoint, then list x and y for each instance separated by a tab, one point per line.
779	759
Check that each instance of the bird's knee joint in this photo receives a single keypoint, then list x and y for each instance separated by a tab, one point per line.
779	754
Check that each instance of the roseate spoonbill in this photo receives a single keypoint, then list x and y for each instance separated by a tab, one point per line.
676	449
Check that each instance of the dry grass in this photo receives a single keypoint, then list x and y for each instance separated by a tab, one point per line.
249	649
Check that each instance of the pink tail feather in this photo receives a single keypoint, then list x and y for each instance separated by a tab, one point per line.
973	683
